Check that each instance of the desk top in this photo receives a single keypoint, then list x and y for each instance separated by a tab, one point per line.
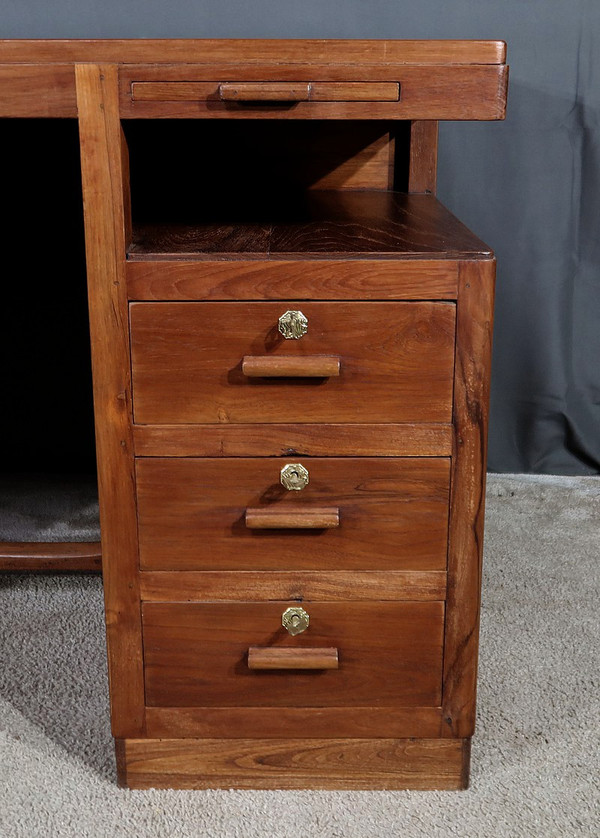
453	79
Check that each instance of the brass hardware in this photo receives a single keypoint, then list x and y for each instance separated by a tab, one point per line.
293	325
295	620
294	477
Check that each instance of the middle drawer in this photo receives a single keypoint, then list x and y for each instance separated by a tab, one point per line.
203	362
372	513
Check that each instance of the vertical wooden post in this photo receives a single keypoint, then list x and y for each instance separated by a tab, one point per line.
106	209
474	321
422	167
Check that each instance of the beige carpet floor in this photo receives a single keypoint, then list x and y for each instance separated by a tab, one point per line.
536	765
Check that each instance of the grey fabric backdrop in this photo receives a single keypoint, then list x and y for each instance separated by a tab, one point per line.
530	186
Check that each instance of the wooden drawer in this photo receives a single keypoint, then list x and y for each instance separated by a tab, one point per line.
392	513
389	654
358	362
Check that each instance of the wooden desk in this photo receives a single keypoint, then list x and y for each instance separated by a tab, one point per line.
290	347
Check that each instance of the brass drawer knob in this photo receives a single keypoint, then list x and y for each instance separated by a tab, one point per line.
294	477
295	620
293	325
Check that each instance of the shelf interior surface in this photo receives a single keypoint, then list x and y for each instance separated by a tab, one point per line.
314	222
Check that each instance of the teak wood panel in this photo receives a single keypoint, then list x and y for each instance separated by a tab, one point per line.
294	763
396	363
465	549
356	279
104	178
277	440
393	514
37	90
37	78
390	653
422	164
291	722
164	586
426	92
250	51
325	223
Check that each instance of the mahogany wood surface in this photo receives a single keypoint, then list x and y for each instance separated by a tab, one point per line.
104	179
295	763
273	657
313	518
301	722
332	222
393	514
471	400
353	279
278	440
28	556
390	653
163	586
396	363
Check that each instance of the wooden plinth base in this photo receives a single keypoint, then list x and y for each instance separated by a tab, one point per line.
293	763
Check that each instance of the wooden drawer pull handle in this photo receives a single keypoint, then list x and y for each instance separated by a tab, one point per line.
272	657
281	366
264	92
313	518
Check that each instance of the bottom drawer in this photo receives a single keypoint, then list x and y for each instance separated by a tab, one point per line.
387	654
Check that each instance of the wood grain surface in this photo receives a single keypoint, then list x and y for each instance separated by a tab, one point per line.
393	514
274	657
292	722
253	51
390	653
290	366
104	179
471	400
29	556
311	518
37	78
277	440
352	279
163	586
396	363
422	165
175	91
333	222
444	91
37	90
295	763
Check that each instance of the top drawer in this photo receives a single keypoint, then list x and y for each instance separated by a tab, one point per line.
418	88
349	362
